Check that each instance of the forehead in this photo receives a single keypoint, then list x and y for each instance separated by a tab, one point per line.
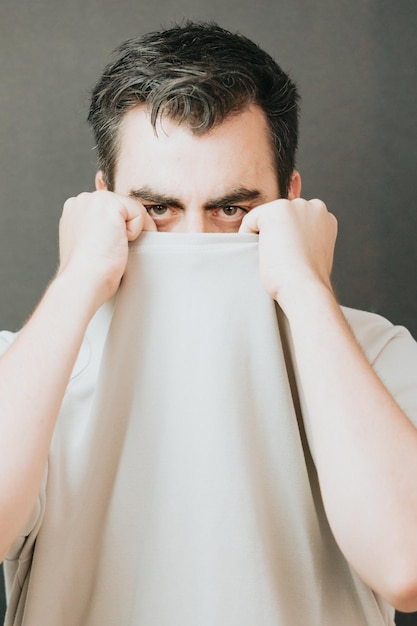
237	151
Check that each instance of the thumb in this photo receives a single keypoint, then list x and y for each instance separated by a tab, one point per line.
137	224
249	224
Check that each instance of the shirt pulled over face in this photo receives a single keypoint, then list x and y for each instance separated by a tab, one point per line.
181	490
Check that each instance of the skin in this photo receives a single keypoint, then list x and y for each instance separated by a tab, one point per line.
223	181
197	184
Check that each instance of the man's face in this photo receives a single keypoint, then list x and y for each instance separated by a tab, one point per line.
192	183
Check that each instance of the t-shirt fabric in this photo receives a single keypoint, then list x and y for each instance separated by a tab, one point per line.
181	488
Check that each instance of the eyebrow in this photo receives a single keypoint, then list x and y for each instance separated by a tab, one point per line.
241	194
235	196
148	195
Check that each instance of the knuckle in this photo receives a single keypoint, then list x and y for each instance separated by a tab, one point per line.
318	205
68	203
83	195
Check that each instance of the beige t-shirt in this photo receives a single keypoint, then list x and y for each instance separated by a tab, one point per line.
181	490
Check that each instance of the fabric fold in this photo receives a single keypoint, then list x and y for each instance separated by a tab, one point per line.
178	491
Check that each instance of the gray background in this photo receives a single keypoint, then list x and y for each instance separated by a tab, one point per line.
355	64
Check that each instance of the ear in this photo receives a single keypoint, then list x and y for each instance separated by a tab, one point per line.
99	180
295	186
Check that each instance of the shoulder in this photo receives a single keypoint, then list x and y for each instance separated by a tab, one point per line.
392	352
6	340
374	332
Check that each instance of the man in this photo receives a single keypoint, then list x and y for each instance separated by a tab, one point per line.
196	131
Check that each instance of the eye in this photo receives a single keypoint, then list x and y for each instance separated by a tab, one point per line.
233	211
157	210
230	210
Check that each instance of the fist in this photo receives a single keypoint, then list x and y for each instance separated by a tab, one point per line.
94	232
296	245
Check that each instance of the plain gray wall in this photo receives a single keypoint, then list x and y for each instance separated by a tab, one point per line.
356	66
355	63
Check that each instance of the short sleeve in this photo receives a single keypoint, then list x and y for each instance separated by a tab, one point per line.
392	352
396	365
6	340
23	543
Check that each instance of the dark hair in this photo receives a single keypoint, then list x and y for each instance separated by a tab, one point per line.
196	74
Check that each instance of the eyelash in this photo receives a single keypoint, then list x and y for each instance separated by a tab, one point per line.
151	207
238	208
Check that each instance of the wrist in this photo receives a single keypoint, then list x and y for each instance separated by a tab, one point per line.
76	291
299	299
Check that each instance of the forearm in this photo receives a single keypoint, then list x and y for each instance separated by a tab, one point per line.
95	229
361	440
34	373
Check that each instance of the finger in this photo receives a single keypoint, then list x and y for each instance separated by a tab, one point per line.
129	208
331	219
254	220
136	225
149	224
249	224
335	225
136	217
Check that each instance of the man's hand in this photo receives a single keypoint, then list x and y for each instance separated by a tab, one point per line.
352	419
94	232
296	244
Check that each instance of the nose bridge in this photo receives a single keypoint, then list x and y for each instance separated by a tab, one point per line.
195	220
